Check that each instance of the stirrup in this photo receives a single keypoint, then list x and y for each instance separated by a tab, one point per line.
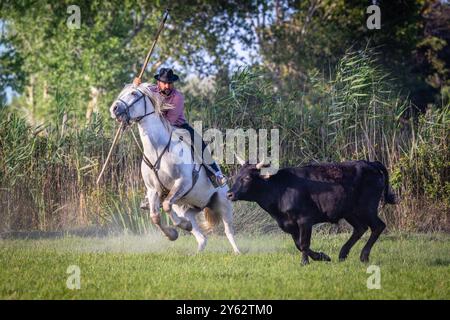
221	180
144	204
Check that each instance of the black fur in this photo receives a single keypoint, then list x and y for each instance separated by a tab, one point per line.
298	198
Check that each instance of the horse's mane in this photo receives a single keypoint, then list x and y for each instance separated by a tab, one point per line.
156	99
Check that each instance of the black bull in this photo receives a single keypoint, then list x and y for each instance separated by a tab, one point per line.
298	198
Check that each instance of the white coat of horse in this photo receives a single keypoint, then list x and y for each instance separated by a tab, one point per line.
160	140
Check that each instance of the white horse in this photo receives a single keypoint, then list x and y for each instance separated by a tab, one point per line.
166	173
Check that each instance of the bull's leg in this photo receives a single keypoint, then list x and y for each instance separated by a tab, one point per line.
305	258
376	226
359	228
305	241
154	203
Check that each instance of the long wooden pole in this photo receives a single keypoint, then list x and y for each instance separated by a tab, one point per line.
147	58
144	66
116	138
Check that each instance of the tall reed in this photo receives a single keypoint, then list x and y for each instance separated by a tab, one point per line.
48	173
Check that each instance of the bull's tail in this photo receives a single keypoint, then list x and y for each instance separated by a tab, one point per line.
389	196
212	218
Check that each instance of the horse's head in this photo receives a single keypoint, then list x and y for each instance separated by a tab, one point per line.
132	105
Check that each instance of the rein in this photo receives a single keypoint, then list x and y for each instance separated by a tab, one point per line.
155	167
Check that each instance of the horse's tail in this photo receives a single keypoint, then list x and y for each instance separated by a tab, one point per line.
212	218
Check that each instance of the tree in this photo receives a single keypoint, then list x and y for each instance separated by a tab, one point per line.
433	50
70	70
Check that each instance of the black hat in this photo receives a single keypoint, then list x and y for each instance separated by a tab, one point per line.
166	75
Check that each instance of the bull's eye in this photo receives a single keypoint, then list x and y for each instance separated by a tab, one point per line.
134	94
246	178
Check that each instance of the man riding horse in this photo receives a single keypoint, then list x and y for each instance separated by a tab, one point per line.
165	87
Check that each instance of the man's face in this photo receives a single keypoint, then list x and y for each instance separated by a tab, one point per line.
165	88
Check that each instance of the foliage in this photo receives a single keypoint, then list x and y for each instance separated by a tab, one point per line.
426	165
290	39
105	52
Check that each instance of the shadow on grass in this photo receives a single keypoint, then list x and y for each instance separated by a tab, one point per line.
36	235
440	262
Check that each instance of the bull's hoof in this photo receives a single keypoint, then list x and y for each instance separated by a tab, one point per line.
171	234
324	257
343	255
305	262
364	258
185	225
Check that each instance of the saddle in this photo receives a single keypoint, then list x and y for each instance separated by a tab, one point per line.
209	172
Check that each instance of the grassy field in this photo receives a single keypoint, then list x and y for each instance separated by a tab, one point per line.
151	267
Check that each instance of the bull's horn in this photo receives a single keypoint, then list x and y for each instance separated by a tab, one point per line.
261	164
240	160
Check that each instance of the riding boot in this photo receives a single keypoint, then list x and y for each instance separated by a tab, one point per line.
220	178
212	170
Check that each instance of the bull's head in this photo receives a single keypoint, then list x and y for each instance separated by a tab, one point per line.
248	182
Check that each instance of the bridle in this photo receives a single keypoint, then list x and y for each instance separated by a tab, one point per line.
154	167
128	107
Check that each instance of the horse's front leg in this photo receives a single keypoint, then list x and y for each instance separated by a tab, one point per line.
154	203
178	190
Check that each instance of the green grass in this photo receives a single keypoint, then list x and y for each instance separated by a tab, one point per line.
150	267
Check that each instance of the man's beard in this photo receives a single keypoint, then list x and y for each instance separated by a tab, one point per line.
166	92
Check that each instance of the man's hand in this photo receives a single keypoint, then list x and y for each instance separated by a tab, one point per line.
137	81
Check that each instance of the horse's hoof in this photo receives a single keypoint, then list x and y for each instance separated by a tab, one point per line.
166	206
156	219
185	225
171	234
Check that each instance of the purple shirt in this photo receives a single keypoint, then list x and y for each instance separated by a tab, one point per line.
176	115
